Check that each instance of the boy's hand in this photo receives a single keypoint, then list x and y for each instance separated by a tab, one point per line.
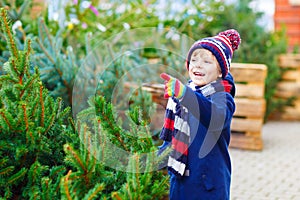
173	87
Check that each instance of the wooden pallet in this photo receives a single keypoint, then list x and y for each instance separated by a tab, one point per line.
248	118
289	87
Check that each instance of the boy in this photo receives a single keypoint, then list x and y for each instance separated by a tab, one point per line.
197	121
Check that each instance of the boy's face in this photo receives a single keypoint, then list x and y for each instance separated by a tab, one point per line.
204	67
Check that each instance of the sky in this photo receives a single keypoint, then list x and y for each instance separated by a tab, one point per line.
266	6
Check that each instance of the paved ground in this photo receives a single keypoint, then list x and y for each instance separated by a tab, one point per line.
272	174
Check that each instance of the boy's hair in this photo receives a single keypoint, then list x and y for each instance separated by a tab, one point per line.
221	46
202	54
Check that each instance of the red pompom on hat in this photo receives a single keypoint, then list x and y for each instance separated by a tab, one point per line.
222	47
234	38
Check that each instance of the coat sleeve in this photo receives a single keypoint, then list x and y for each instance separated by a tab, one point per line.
213	112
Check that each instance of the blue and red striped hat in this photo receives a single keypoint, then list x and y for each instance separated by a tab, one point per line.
221	46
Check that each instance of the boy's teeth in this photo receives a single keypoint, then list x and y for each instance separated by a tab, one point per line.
198	73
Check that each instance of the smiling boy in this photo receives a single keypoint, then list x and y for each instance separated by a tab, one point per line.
198	118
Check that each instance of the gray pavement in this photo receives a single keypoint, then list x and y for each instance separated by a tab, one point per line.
274	172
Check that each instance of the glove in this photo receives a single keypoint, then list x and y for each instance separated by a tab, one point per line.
173	87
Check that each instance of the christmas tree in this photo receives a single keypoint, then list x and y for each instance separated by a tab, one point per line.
42	158
58	65
32	130
126	165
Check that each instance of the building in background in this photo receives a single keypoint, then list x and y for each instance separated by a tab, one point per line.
287	15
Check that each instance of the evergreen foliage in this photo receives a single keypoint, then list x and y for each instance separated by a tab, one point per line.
130	175
104	20
58	65
22	26
32	131
16	9
201	19
109	157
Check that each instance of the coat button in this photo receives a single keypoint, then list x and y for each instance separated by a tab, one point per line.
203	176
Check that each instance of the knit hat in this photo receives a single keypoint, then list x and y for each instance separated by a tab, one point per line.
221	46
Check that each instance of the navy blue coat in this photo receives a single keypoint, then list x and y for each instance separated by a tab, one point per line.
209	162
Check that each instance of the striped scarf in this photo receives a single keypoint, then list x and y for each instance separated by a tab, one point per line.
176	128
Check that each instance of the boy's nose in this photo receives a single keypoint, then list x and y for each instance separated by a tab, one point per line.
196	65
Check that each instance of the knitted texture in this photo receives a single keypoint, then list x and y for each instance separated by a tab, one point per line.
222	47
173	87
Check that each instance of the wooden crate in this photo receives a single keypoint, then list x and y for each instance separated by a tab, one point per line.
289	87
248	118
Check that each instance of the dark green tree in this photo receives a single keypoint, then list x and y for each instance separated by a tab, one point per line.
32	130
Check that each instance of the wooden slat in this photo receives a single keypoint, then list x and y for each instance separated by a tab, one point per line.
291	113
246	72
288	115
246	142
291	75
245	125
289	60
250	107
296	104
250	90
287	89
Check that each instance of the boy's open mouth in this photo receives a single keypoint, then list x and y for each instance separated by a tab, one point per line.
198	74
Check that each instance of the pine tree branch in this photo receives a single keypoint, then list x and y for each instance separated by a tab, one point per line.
89	149
25	117
46	184
74	154
137	171
17	176
66	179
6	170
31	137
117	134
9	36
116	196
47	33
42	105
13	63
51	122
27	56
45	51
28	84
6	120
95	192
59	72
71	122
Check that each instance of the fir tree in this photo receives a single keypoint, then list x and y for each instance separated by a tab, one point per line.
19	14
16	9
58	65
114	174
32	131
